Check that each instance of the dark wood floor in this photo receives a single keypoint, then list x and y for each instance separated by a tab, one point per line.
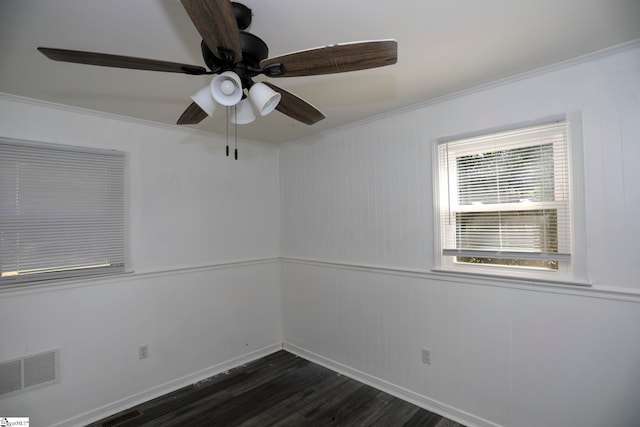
278	390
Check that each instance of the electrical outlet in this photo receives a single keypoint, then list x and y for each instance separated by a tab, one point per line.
426	356
143	351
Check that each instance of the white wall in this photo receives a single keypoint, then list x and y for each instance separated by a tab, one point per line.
355	229
204	294
357	246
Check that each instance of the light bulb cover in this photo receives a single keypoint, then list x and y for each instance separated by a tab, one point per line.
242	113
226	88
204	100
263	98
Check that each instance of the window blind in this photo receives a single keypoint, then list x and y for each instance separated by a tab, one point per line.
62	211
505	197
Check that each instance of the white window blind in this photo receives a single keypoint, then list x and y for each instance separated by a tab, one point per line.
505	198
61	211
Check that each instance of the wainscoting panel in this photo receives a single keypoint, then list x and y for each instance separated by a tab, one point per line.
499	356
196	323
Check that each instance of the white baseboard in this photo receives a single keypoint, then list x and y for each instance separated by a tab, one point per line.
162	389
432	405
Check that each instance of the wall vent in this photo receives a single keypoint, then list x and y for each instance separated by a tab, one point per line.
29	372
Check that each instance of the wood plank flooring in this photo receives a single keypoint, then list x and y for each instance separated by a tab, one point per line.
277	390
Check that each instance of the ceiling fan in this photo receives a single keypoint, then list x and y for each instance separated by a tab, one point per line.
236	56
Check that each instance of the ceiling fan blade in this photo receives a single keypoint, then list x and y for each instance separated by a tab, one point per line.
336	58
296	107
192	115
216	23
119	61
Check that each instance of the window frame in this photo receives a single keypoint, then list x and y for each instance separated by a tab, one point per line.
572	268
52	274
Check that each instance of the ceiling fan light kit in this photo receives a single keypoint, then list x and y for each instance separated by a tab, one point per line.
226	88
204	100
237	56
263	98
242	113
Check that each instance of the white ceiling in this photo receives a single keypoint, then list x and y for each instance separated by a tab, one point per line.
444	46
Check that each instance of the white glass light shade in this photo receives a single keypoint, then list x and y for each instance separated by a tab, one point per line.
226	88
263	98
204	100
242	113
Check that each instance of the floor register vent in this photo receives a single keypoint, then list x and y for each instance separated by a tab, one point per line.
29	372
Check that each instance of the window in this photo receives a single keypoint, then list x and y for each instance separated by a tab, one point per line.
61	212
504	202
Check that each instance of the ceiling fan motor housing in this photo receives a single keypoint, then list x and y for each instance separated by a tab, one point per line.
254	50
243	15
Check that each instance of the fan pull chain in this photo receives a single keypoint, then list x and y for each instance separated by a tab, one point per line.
236	134
227	123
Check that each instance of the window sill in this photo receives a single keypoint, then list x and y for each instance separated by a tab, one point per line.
511	279
61	283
